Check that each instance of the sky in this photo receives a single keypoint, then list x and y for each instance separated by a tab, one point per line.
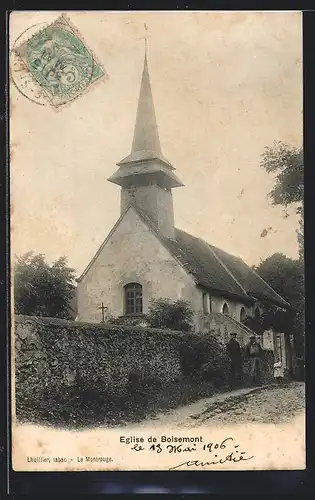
225	86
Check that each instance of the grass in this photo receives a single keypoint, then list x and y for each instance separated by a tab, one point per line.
88	410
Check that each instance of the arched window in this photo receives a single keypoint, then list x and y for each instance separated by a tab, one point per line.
225	308
242	314
257	313
133	298
205	303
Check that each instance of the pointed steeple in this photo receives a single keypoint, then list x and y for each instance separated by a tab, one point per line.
146	134
146	157
146	142
145	176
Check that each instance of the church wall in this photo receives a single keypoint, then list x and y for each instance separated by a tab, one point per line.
223	326
166	212
235	307
216	303
133	254
144	196
156	202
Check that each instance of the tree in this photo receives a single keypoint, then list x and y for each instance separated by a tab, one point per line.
287	164
272	317
300	238
41	289
286	277
164	313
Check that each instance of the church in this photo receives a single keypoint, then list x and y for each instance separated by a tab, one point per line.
145	257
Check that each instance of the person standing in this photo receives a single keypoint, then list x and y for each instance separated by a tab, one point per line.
278	372
253	353
235	355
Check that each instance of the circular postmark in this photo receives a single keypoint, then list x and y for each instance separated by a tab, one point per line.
20	75
50	63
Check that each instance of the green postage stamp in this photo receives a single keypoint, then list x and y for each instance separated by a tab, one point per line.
59	61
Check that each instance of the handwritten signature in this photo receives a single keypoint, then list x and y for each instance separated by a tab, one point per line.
228	458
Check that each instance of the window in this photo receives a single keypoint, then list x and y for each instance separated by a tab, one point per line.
205	303
225	308
257	313
133	298
242	314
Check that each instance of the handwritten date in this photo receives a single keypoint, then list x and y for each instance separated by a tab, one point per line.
219	453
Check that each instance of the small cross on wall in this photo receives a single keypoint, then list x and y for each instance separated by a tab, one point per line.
103	308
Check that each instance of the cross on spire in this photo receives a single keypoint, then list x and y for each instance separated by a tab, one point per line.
146	36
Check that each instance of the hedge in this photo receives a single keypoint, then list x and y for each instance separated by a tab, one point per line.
68	372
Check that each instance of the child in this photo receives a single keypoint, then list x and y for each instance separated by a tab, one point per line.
278	372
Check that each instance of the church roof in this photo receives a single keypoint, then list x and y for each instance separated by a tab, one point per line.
201	261
254	285
220	271
216	269
128	175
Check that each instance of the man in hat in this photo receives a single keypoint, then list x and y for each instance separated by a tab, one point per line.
253	353
235	355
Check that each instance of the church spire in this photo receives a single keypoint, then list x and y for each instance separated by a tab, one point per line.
145	163
145	176
146	142
146	135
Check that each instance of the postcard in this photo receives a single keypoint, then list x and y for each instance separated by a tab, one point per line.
156	194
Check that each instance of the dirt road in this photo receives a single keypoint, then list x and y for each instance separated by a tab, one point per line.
270	404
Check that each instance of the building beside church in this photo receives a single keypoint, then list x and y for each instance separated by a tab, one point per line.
145	257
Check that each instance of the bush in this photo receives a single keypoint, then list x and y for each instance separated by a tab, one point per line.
164	313
67	365
206	357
